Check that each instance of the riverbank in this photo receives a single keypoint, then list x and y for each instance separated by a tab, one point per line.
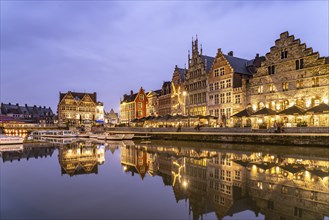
295	139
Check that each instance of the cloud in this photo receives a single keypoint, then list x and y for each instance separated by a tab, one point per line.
113	47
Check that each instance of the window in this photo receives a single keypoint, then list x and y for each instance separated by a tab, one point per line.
260	185
315	82
139	113
216	72
216	199
222	187
216	112
216	85
271	70
285	86
284	190
299	64
228	175
141	97
237	99
211	87
298	212
222	98
228	114
211	184
271	88
222	84
228	189
228	97
222	71
140	105
216	99
216	173
211	112
216	186
228	83
222	200
237	175
284	54
299	84
270	204
222	174
260	89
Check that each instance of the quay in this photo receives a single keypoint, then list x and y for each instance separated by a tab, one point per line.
288	139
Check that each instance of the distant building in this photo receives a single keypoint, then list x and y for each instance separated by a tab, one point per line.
111	118
133	106
165	99
76	108
100	114
177	92
196	81
152	107
29	114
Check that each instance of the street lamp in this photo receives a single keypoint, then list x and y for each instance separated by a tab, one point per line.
187	100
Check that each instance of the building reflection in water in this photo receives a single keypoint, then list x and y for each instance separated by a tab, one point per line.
18	152
227	182
81	158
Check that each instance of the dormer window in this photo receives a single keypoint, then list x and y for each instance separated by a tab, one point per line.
284	54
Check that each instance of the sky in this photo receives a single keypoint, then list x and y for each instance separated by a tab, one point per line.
112	47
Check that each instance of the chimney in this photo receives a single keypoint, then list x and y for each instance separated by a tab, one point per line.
9	103
44	106
131	92
26	105
257	55
16	104
230	53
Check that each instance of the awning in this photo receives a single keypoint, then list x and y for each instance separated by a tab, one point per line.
293	110
265	111
243	113
323	108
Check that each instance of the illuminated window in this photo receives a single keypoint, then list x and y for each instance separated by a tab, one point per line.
285	86
260	185
260	89
284	190
228	114
222	71
315	82
228	97
271	88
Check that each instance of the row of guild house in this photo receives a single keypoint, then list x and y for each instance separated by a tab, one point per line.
289	85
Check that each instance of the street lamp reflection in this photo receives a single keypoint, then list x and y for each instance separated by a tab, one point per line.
185	184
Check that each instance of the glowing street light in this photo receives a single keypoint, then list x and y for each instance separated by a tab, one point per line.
187	98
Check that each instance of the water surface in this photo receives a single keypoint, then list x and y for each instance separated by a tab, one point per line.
163	180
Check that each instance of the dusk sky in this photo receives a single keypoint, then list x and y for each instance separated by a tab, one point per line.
112	47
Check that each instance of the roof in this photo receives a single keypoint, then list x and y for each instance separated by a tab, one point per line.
293	110
243	113
265	111
181	73
293	168
208	61
238	64
79	95
129	98
319	109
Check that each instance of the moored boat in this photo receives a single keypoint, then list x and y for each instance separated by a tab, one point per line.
128	136
115	137
54	133
5	139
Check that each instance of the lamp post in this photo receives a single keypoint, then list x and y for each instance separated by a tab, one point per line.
187	100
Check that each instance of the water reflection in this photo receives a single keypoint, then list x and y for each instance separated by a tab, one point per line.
225	180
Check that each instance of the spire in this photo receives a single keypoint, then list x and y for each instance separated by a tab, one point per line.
201	49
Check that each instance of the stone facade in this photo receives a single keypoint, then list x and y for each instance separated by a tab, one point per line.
196	81
133	106
152	107
165	99
177	92
291	74
74	108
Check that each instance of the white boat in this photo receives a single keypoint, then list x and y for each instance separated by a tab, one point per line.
5	139
128	136
115	136
11	147
54	133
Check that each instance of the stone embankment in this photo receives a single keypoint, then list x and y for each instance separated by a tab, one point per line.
231	135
